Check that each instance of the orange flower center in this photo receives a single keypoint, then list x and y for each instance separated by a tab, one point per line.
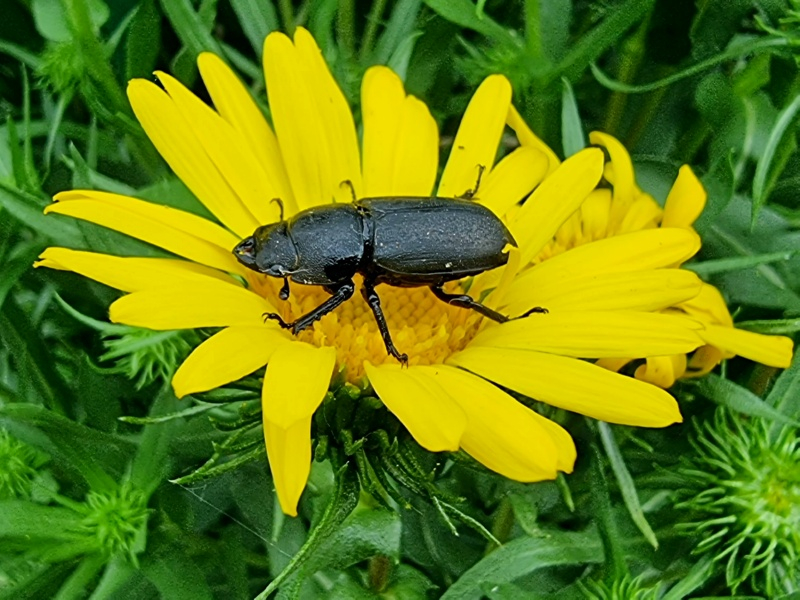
421	325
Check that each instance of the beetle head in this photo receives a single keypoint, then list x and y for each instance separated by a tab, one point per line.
269	250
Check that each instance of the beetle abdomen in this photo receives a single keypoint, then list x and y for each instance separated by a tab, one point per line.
427	240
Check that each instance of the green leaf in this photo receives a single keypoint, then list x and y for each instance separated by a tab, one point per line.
785	394
23	519
771	327
739	399
526	555
77	584
175	575
32	358
402	55
698	575
342	502
737	263
93	454
257	18
152	463
399	28
143	41
191	29
625	482
766	173
572	137
28	210
464	13
52	21
593	44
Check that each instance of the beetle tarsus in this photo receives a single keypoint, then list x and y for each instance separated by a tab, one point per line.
464	301
374	301
280	205
536	310
472	192
278	318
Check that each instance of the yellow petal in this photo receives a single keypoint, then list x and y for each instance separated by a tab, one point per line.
512	179
555	200
587	334
235	104
640	290
624	182
189	306
566	453
708	306
612	364
642	213
226	356
594	214
703	361
289	455
127	273
477	138
173	230
770	350
638	251
228	150
434	419
686	200
313	122
501	433
297	379
174	137
573	385
401	139
526	137
658	370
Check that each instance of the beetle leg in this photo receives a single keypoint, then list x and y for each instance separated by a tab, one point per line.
464	301
374	301
535	310
348	183
284	293
340	294
472	192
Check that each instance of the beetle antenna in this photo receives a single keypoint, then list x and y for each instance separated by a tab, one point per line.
348	183
471	193
280	205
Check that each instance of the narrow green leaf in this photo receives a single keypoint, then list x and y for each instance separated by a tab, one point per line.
593	44
726	393
342	502
97	456
771	327
766	174
604	514
257	18
24	519
785	394
189	26
626	485
151	465
28	210
463	13
738	263
399	60
207	471
399	27
21	54
698	575
759	45
77	584
32	358
187	412
143	41
572	137
526	555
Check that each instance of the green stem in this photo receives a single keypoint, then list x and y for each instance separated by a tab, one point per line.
371	29
533	28
346	26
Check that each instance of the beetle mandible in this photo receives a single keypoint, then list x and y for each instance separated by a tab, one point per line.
400	241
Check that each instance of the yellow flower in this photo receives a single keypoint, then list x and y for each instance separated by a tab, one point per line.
235	164
625	210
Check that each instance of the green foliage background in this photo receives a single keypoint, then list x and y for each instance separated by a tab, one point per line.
87	508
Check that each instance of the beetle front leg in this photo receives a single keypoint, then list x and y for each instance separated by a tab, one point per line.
464	301
341	294
374	301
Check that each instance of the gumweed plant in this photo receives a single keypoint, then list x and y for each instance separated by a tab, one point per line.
592	284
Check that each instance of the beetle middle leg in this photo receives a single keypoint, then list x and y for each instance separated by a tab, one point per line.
464	301
341	293
374	301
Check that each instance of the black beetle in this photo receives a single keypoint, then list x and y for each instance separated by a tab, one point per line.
407	242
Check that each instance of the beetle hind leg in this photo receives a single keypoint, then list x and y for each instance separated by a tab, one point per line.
464	301
374	301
